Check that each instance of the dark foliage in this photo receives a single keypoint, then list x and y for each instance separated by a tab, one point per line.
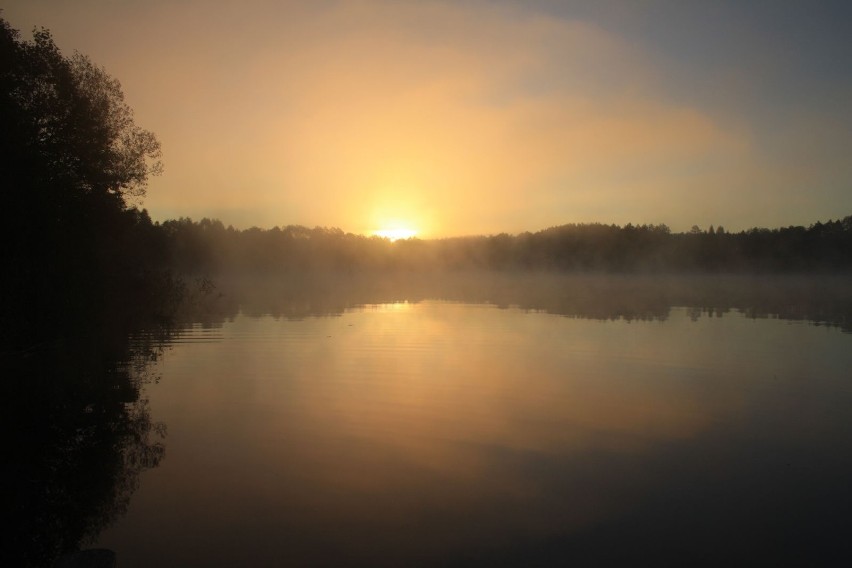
74	248
72	162
208	247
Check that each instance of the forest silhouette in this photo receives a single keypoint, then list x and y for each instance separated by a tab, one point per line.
73	245
78	247
81	269
208	247
85	266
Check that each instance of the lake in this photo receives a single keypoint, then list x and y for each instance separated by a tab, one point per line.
499	421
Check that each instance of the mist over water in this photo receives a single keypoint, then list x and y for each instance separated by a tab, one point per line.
820	299
466	418
187	393
467	421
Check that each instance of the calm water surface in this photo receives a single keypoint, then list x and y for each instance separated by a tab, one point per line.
444	433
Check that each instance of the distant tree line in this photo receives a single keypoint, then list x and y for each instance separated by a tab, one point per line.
75	247
208	247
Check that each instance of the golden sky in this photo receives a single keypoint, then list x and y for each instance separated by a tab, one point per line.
468	117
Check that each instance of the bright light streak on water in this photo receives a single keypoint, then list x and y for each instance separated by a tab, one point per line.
440	433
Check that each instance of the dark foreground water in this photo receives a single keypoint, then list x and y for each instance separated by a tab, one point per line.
553	424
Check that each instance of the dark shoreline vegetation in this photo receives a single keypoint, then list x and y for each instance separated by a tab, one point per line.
80	272
149	270
208	247
92	288
80	251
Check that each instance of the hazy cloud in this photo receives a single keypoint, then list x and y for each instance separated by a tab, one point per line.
459	117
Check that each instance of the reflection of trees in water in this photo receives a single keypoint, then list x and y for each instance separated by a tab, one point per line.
821	299
79	431
79	434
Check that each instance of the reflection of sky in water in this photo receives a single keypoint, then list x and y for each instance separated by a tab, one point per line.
453	428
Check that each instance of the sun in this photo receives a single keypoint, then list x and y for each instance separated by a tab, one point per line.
396	219
395	233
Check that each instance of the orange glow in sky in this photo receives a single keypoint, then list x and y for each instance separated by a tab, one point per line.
468	118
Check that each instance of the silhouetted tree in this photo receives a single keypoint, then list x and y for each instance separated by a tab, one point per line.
73	163
67	125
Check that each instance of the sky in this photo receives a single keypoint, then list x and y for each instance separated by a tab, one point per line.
480	117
